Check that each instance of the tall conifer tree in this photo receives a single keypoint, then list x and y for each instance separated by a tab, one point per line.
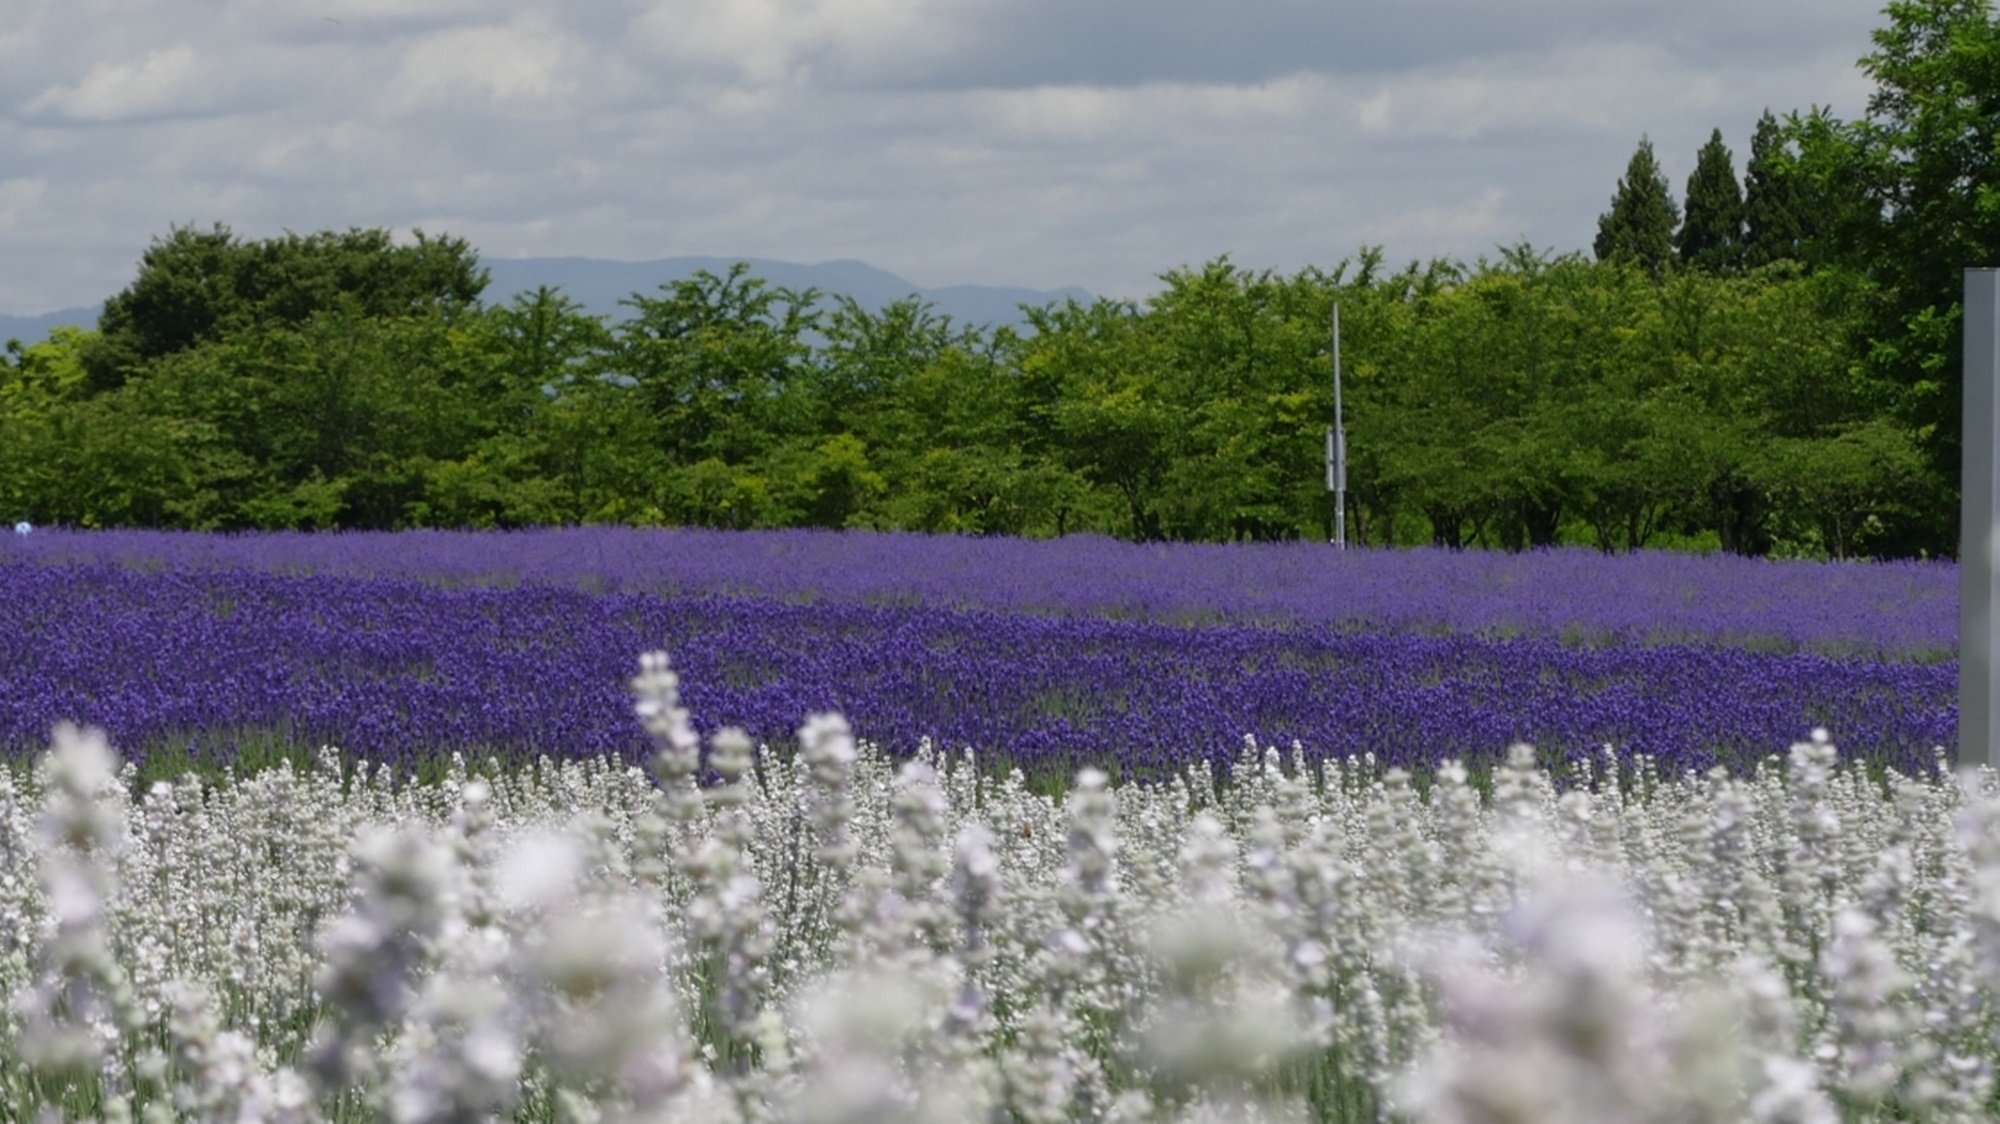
1773	219
1711	234
1640	225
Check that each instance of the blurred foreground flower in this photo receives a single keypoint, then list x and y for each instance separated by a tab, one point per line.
851	939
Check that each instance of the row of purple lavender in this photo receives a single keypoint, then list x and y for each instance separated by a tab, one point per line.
1049	654
1898	610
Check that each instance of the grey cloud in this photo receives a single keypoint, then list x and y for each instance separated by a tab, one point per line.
1027	143
1012	44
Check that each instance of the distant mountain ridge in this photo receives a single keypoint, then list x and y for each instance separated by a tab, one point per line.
599	284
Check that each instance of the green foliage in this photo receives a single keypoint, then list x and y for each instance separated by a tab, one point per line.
1842	489
717	362
37	384
1711	233
1914	200
1107	416
1639	227
198	287
830	483
1534	400
1776	222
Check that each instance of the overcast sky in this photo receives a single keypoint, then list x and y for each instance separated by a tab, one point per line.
1008	142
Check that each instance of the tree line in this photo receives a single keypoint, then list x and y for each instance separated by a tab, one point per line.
342	381
1771	368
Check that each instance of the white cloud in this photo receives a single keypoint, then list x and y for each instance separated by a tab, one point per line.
1596	88
161	82
1374	114
523	68
789	42
363	11
18	196
1062	113
1095	113
1477	222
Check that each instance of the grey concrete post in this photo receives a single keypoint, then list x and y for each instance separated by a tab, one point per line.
1979	520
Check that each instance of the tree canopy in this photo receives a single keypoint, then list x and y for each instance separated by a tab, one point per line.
198	286
1911	198
1526	401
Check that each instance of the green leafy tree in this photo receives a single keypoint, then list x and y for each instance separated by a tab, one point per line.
1711	233
123	460
533	364
199	286
1091	383
721	364
869	357
540	345
1447	390
714	493
1639	227
1915	200
946	421
981	489
38	383
1524	401
1846	487
363	406
831	483
1528	322
1378	311
1242	358
332	424
1633	469
1474	427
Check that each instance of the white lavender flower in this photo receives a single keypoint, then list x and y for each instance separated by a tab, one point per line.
83	1002
373	953
826	747
576	941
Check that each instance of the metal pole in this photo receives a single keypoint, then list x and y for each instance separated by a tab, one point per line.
1336	447
1979	521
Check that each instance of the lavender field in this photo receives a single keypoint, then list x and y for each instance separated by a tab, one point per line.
1897	610
861	930
1050	655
